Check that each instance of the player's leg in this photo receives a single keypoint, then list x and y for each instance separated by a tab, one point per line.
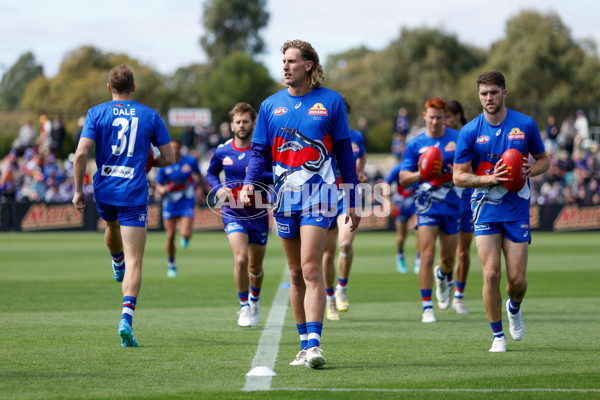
185	229
170	225
256	255
443	273
463	264
515	255
238	241
312	245
401	231
489	250
345	258
291	248
427	238
134	243
114	242
329	273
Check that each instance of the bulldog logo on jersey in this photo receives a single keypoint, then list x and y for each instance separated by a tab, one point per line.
318	109
227	161
186	168
450	147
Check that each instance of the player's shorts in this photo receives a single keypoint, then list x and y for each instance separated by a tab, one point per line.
407	208
289	226
126	215
515	231
466	216
183	207
254	237
448	225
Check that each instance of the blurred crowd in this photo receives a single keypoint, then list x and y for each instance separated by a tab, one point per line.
35	171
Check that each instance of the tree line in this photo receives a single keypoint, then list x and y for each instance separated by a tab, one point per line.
547	70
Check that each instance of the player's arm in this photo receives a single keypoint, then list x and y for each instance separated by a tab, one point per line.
200	194
464	177
166	156
79	166
260	156
360	168
212	176
344	157
540	165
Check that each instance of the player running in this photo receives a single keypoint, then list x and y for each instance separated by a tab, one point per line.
177	185
122	131
501	217
246	227
299	130
438	206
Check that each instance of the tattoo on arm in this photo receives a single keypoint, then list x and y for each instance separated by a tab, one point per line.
473	180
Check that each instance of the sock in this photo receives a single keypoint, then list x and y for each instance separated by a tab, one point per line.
118	261
460	289
426	298
171	262
450	279
342	284
497	329
128	308
513	306
440	274
400	252
254	294
243	298
329	292
314	334
419	256
302	331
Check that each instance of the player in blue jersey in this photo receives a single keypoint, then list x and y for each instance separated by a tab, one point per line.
438	206
501	217
246	227
404	201
122	131
338	230
177	185
303	132
456	119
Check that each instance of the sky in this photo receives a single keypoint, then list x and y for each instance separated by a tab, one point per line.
164	34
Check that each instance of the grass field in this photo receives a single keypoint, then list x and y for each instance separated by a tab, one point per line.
59	310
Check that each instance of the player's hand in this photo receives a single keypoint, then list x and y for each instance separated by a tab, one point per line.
362	178
246	193
353	218
224	194
527	168
79	201
499	172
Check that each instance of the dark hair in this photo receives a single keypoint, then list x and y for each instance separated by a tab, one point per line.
348	107
242	108
308	53
456	108
492	78
120	79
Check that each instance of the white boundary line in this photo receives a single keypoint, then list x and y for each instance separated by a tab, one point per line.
268	345
434	390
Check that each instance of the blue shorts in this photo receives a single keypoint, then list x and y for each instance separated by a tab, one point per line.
127	215
181	208
515	231
406	206
254	237
448	225
289	227
466	215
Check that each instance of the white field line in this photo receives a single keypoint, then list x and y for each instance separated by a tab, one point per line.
543	390
268	345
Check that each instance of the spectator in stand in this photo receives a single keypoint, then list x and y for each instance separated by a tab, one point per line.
400	130
567	135
582	131
551	134
57	137
25	139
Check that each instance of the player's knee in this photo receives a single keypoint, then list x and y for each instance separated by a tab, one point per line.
492	277
517	284
241	260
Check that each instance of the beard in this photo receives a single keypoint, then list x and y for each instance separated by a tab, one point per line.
242	135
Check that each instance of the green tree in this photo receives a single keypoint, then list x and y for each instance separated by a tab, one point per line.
233	25
15	81
547	71
236	78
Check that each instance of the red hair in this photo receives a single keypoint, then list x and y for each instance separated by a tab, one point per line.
435	102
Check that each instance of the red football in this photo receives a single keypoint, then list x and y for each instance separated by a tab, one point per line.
513	159
430	163
150	161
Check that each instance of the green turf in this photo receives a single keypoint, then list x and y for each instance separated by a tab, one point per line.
59	310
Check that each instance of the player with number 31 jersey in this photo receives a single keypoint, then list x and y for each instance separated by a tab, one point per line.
121	154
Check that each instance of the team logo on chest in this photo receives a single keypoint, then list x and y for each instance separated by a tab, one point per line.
186	168
318	109
450	147
227	161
